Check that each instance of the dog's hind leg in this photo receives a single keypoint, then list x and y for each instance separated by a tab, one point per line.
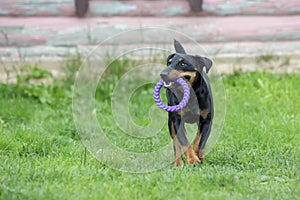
197	141
202	136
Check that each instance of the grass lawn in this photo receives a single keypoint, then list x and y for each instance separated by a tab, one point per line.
256	157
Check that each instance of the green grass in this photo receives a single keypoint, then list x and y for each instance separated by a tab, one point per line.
256	157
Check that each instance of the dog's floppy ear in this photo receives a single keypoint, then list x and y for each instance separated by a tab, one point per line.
203	62
207	63
178	47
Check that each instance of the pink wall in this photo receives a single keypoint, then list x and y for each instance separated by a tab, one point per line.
149	7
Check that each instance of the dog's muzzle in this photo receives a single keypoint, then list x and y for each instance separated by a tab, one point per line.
169	76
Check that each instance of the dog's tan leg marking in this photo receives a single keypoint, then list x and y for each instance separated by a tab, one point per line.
199	153
191	156
197	142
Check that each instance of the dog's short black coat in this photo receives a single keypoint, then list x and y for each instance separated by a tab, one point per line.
199	109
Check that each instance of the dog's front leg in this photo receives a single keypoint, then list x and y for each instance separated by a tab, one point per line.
177	148
181	135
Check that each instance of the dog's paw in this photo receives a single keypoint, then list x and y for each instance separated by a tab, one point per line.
194	161
191	156
178	162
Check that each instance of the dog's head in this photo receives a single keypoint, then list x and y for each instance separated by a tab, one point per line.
181	64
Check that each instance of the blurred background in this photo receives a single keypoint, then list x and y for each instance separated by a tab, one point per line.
45	154
237	34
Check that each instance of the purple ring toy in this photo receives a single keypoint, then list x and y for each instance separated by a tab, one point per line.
181	105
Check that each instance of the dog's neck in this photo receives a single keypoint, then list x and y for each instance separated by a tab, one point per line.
196	81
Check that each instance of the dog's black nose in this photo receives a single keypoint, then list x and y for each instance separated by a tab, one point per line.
169	74
164	74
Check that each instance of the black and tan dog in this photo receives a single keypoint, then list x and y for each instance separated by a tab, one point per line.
200	105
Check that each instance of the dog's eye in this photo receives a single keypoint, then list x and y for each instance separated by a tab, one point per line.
183	64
